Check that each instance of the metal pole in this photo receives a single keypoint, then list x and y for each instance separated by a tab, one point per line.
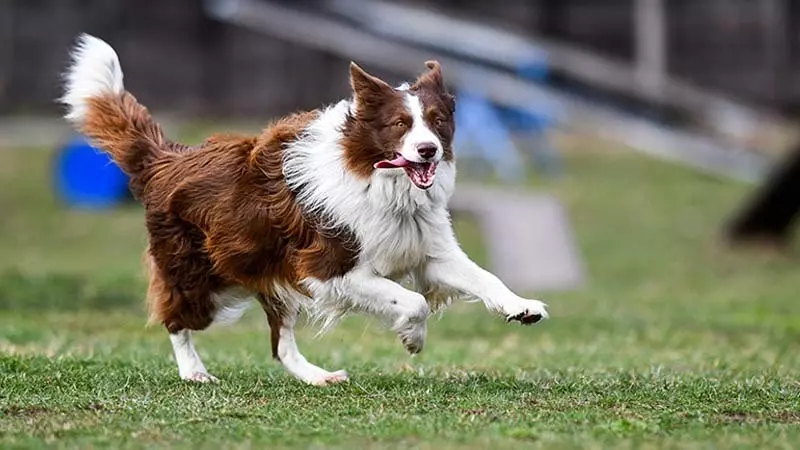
650	43
775	23
6	48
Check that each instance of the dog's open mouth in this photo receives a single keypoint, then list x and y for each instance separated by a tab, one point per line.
421	174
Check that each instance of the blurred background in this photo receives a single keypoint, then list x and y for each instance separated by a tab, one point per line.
610	152
614	158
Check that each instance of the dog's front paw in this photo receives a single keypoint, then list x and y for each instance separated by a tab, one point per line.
413	336
528	312
410	324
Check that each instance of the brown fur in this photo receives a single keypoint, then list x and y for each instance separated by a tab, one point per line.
218	215
275	312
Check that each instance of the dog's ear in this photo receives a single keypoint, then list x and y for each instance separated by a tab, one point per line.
434	81
368	90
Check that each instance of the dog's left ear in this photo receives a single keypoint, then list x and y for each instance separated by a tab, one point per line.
433	80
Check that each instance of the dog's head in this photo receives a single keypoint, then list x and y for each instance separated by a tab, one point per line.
408	128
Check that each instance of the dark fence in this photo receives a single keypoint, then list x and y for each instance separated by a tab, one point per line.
177	59
173	57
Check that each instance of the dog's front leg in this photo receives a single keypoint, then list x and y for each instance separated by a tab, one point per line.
406	311
453	270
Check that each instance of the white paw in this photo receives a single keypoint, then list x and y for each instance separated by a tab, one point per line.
412	335
200	377
527	312
327	378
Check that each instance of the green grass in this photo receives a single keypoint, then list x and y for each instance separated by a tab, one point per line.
674	341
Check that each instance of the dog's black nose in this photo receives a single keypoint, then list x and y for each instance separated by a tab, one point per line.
427	150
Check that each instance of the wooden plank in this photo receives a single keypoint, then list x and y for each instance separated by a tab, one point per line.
349	42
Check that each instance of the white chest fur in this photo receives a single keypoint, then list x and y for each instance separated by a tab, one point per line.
396	230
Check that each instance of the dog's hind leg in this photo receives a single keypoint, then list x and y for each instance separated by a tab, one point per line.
168	307
282	316
190	366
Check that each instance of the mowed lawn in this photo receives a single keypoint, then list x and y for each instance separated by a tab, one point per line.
674	341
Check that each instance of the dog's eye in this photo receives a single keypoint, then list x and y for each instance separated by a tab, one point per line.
438	122
400	124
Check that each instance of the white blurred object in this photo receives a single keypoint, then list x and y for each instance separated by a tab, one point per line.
528	237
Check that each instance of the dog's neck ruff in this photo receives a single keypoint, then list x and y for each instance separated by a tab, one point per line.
315	170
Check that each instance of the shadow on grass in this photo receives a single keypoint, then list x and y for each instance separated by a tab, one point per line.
19	291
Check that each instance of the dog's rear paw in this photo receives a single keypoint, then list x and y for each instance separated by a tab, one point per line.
328	378
201	377
530	312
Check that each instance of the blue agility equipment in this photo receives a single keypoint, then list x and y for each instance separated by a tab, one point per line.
490	127
479	123
87	178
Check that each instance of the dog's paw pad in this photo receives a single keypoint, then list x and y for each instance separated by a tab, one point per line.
525	317
528	312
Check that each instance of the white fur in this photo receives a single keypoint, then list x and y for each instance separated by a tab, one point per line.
95	70
190	367
450	268
288	353
231	304
419	133
362	290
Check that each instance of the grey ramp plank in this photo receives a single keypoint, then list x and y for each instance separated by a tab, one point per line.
529	240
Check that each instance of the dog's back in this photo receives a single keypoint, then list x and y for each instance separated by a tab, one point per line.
218	215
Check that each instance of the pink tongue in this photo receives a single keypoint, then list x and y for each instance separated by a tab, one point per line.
397	162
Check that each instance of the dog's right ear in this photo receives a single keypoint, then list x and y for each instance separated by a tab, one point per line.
434	81
368	90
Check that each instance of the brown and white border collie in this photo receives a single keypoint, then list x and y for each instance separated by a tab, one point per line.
329	211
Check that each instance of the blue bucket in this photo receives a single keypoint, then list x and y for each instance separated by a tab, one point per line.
87	178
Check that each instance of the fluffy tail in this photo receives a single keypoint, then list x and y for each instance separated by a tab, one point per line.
100	107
